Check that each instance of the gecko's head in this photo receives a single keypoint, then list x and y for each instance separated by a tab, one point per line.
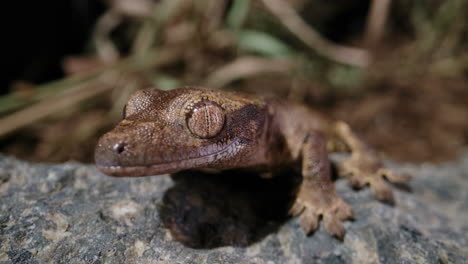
170	131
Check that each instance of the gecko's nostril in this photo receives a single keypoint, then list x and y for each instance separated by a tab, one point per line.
120	147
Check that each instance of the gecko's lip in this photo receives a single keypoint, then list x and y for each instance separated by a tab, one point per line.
139	171
168	167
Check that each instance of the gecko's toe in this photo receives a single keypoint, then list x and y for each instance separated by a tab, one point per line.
361	172
333	212
344	211
357	182
382	190
309	221
334	216
296	209
397	178
333	225
349	171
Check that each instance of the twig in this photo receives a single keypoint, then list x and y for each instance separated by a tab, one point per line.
294	23
212	12
376	21
105	48
245	67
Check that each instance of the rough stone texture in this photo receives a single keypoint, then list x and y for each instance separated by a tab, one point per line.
71	213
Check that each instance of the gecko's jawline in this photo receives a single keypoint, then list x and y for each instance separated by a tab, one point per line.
168	167
137	171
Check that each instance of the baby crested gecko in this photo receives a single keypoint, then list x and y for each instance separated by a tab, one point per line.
194	128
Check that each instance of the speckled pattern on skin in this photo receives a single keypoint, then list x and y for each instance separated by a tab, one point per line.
71	213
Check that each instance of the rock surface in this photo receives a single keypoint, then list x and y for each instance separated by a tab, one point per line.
71	213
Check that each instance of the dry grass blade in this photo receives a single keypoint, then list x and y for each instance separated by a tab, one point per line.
294	23
49	106
376	21
11	102
246	67
89	88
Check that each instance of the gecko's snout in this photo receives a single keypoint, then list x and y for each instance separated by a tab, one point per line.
112	151
122	149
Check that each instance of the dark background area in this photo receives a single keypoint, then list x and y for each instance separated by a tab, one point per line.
40	34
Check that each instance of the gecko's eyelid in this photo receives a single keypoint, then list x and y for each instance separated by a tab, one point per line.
124	110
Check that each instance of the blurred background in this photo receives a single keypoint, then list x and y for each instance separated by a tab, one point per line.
396	70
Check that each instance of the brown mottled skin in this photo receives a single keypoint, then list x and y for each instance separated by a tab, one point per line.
195	128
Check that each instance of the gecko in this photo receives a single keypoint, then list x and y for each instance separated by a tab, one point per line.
196	128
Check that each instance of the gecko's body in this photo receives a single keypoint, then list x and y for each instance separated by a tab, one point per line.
191	128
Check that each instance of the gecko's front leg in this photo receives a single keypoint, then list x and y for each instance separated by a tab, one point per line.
317	196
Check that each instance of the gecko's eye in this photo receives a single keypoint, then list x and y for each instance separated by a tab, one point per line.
124	115
206	119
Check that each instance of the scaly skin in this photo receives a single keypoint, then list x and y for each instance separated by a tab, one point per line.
194	128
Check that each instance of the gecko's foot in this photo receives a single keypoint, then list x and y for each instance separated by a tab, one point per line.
365	168
313	203
365	171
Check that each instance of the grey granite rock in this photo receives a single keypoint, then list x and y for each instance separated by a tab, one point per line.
71	213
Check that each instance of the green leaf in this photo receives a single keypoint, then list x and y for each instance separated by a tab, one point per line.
165	82
262	43
345	76
237	14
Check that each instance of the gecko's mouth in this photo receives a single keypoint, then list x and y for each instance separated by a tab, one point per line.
202	161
